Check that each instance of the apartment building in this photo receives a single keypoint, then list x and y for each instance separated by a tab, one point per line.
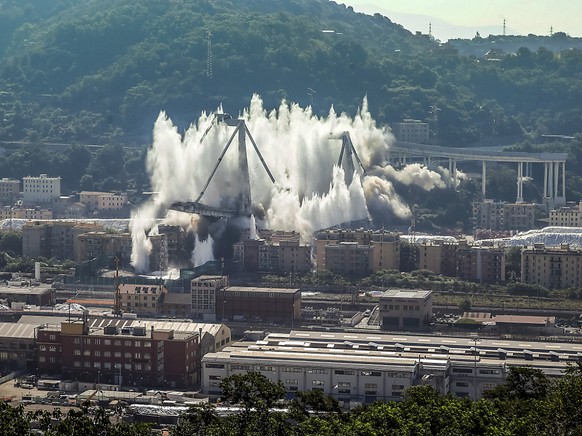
103	201
410	130
357	252
483	264
141	299
280	254
96	244
9	191
567	216
26	213
552	267
438	256
497	215
41	189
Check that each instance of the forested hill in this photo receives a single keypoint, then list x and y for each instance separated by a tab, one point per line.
126	60
99	71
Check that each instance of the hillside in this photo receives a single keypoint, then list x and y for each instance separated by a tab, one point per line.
115	64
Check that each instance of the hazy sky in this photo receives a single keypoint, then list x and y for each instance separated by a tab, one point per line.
463	18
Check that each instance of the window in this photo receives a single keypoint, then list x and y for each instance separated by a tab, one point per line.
317	382
344	385
344	372
77	364
117	354
317	371
106	341
86	352
215	365
97	353
137	343
107	353
371	373
266	368
127	355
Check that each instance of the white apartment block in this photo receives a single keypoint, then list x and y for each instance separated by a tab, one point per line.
411	131
42	189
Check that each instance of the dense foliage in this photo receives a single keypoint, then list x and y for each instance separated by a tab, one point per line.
528	403
92	71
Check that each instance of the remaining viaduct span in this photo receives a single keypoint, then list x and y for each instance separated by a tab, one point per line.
554	165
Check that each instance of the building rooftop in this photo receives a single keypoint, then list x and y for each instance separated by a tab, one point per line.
245	289
25	290
17	330
398	293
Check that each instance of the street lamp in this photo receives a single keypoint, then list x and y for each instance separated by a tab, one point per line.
475	340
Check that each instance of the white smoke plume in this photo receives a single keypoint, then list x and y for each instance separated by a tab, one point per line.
412	174
310	191
202	252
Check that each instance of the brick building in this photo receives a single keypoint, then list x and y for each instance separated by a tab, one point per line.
128	353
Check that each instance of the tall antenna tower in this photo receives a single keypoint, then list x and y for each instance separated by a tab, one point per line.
504	28
209	56
551	30
429	29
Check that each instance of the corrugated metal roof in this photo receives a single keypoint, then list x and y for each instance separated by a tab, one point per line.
17	330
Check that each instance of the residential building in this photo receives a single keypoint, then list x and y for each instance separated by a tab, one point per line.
9	191
357	252
41	189
349	258
27	213
280	252
497	215
411	131
93	245
567	216
552	267
36	239
438	256
56	239
103	201
483	264
143	300
400	309
64	236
